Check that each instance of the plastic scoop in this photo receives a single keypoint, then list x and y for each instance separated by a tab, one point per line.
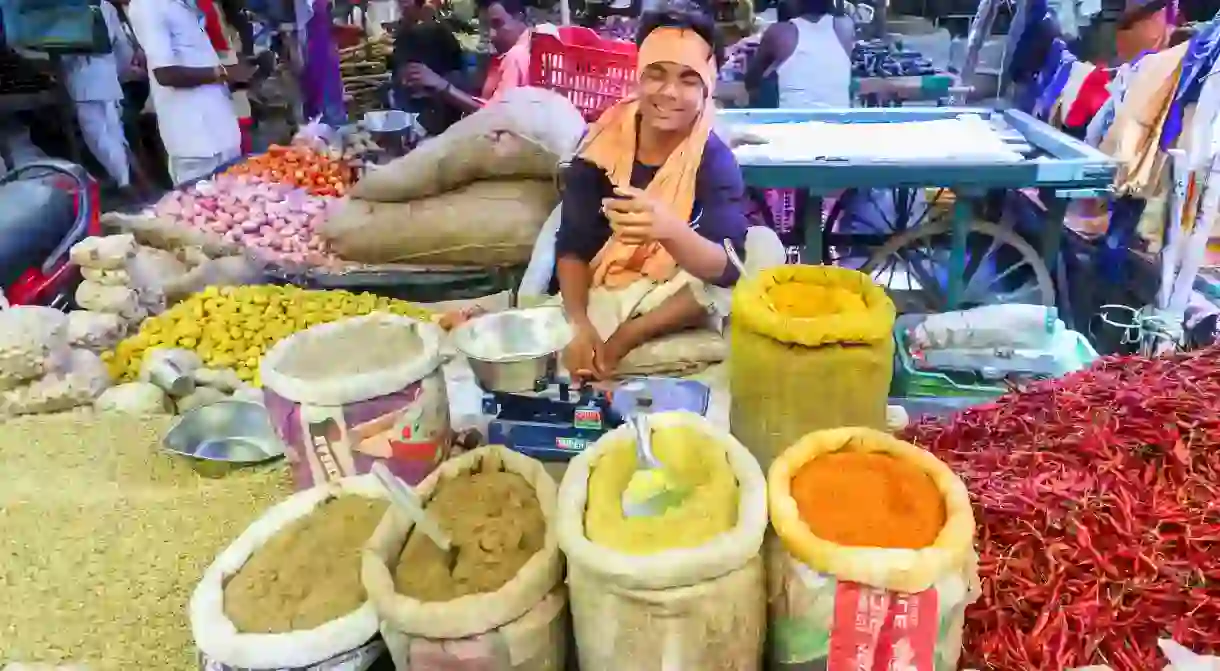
741	268
404	497
650	491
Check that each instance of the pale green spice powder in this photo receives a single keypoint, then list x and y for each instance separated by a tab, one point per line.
103	539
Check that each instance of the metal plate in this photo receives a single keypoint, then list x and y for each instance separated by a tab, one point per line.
513	335
230	432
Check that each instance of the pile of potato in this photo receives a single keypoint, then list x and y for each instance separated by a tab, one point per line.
232	327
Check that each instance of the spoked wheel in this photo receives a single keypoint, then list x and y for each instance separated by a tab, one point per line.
1000	267
875	216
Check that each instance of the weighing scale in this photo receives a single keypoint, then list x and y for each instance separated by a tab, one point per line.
557	424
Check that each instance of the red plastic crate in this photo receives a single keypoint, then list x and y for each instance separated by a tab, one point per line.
593	72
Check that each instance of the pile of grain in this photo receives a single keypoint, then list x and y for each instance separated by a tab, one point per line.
104	538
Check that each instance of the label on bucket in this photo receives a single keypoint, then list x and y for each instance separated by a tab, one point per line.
408	430
878	630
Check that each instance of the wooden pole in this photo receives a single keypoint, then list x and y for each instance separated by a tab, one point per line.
565	13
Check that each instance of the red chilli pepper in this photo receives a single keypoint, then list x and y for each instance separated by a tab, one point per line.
1098	520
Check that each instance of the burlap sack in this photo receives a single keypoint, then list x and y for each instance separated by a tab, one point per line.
519	627
694	608
684	353
483	224
169	235
526	134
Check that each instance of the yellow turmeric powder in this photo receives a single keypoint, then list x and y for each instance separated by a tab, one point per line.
869	500
709	507
801	300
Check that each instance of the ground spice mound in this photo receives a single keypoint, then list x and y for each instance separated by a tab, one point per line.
307	574
98	568
795	299
495	523
869	500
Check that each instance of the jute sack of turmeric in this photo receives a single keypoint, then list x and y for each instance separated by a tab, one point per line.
812	347
519	626
698	601
872	534
525	135
484	224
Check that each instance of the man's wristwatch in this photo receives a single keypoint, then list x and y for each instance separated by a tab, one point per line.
222	74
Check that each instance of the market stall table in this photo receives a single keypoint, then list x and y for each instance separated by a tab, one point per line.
1057	166
871	91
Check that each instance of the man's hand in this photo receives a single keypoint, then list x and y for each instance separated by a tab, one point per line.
637	218
241	73
421	78
583	356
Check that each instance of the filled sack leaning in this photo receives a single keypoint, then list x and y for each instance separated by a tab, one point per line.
33	343
822	595
526	134
691	608
773	356
492	223
348	643
339	424
518	627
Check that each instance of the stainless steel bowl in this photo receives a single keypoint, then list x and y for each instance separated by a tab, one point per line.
511	351
225	435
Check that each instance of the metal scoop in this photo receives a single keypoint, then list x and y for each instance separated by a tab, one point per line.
406	500
650	491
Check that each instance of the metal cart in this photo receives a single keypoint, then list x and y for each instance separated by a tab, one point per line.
956	260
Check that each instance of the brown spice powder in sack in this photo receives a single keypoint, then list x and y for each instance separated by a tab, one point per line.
495	524
307	574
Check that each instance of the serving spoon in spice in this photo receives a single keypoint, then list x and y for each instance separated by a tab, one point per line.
650	491
404	497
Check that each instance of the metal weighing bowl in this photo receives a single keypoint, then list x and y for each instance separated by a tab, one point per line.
225	435
512	351
391	129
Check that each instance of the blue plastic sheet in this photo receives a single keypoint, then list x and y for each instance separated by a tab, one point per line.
1054	87
1200	57
1112	253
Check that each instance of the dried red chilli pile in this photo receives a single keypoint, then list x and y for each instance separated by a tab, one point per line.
1097	499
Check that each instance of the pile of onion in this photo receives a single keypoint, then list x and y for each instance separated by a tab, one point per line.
276	222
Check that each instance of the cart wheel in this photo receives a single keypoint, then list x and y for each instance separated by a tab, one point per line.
1001	267
903	210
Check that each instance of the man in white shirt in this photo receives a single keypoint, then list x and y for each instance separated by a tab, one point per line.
189	87
93	83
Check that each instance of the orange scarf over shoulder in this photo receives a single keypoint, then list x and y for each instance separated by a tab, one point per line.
610	145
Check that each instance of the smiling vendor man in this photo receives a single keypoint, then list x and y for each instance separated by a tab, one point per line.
649	203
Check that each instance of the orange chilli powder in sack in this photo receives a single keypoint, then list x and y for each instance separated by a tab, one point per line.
869	500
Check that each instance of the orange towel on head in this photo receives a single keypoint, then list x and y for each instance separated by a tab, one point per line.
610	145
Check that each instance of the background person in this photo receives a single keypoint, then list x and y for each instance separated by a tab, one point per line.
809	55
133	78
321	82
509	34
649	202
189	87
93	84
422	38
